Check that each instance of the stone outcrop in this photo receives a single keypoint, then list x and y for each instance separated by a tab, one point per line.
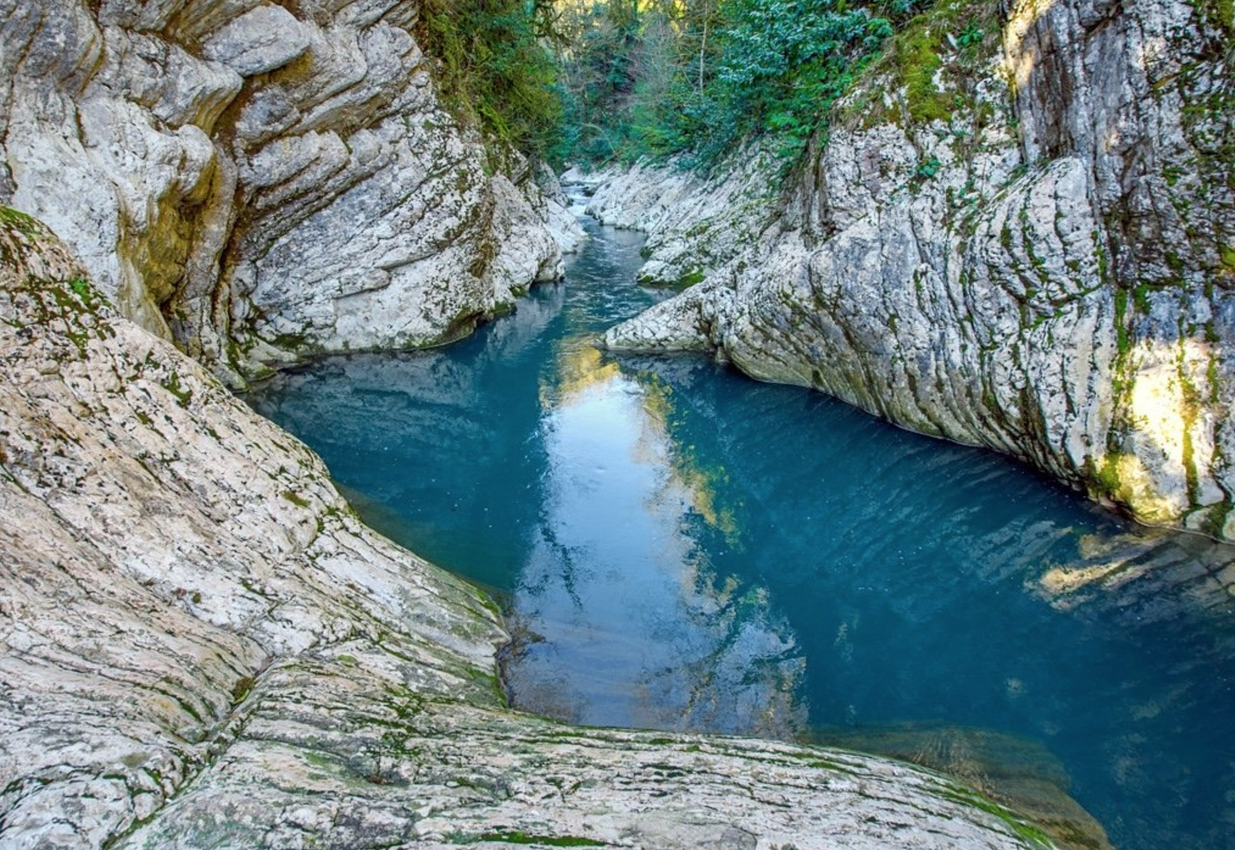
1026	243
259	182
201	646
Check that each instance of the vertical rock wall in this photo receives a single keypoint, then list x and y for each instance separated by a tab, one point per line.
1028	245
260	181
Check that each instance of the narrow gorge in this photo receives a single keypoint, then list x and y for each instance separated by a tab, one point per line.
203	647
1008	225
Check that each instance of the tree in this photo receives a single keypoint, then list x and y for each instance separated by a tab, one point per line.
494	69
657	77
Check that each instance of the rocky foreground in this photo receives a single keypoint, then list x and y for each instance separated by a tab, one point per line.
203	647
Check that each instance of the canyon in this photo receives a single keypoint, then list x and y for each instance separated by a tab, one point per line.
1026	245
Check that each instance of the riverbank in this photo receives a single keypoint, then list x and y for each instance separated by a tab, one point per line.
687	548
204	647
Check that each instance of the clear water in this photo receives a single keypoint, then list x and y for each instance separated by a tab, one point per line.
682	548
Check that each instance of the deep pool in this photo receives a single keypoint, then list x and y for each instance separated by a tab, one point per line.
681	548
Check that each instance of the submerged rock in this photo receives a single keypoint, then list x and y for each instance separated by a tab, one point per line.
1001	766
201	646
260	182
1027	247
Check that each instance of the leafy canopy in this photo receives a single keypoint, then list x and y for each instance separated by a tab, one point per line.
656	77
599	80
494	67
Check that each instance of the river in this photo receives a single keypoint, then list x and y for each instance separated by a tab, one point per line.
678	547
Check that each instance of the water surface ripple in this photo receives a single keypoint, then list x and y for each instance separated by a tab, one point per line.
681	548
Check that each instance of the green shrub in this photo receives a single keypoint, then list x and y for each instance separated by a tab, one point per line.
494	70
700	76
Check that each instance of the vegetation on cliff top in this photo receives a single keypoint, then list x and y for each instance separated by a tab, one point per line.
697	77
494	67
601	80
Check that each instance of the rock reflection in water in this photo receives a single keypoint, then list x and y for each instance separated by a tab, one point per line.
437	449
631	624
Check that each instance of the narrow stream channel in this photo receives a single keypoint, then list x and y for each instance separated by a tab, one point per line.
681	548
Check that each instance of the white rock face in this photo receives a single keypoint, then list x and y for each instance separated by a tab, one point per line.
1046	269
200	646
260	182
260	40
692	225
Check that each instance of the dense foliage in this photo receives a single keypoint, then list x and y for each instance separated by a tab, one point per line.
655	77
495	69
597	80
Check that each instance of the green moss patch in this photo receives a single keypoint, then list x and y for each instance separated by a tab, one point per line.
1214	523
296	499
934	61
242	688
182	393
20	221
1027	832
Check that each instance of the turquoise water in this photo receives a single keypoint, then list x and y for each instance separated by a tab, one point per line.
682	548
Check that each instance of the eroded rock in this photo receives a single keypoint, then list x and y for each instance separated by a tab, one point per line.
260	183
1028	251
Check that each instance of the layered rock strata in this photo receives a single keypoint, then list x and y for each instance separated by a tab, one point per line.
1026	242
258	181
201	646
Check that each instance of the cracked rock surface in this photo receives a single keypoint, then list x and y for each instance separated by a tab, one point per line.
201	646
1032	250
261	182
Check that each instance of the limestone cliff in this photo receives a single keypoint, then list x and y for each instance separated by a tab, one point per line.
260	181
1020	233
201	646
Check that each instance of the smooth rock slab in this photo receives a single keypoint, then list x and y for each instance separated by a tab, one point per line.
258	41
